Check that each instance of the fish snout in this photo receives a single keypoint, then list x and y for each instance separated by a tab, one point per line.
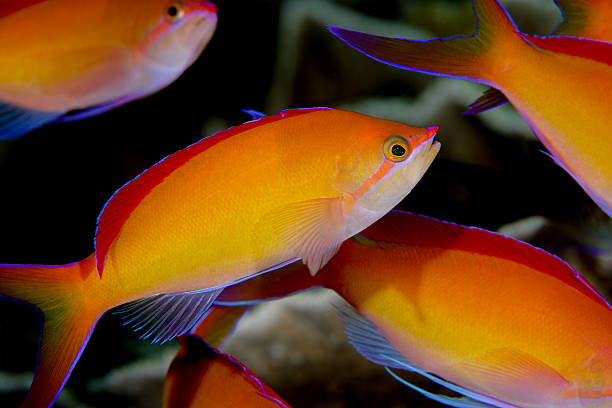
426	137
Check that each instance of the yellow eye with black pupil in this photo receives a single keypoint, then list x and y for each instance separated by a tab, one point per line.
396	148
174	12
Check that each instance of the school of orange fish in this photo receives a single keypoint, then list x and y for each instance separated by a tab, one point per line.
185	256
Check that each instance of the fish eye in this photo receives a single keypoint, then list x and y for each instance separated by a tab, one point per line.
396	148
174	12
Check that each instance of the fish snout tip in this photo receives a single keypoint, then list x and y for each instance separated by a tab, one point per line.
208	6
426	136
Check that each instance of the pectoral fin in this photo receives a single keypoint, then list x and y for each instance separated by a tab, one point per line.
16	121
515	376
313	229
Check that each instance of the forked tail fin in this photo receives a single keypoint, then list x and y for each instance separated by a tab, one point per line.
467	57
69	316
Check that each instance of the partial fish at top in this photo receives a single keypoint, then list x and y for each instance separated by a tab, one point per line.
560	85
63	60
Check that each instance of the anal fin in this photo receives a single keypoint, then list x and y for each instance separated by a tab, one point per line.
164	317
371	344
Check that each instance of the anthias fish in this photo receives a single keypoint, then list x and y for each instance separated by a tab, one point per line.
68	59
244	201
560	85
497	320
201	376
588	19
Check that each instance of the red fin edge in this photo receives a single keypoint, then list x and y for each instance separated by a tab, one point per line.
121	204
599	51
8	7
407	228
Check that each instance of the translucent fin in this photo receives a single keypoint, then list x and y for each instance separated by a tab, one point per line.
256	115
164	317
368	341
371	344
16	121
516	377
490	99
314	229
461	402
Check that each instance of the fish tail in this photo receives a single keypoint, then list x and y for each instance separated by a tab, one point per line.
69	317
477	58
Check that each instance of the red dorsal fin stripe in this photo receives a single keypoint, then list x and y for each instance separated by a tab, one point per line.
8	7
406	228
599	51
118	209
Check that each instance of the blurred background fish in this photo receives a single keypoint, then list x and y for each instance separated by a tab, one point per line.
201	376
497	320
544	78
66	60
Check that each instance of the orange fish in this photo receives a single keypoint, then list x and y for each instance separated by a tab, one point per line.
60	56
200	376
239	203
560	85
588	19
497	320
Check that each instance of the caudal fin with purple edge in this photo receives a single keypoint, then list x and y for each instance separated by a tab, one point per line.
68	319
474	58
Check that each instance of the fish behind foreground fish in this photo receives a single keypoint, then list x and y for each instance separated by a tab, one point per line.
60	56
200	376
497	320
560	85
239	203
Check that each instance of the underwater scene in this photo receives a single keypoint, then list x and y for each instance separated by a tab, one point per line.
305	203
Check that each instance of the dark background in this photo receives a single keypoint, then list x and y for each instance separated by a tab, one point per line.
269	55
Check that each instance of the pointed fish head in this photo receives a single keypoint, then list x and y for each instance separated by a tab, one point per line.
179	32
400	156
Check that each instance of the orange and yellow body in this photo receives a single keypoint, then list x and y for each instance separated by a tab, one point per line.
586	18
559	85
242	202
201	376
63	55
509	324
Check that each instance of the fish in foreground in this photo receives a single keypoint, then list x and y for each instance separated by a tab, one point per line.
200	376
242	202
65	60
560	85
501	322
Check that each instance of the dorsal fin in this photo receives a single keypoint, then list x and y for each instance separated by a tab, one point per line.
8	7
121	204
599	51
400	227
